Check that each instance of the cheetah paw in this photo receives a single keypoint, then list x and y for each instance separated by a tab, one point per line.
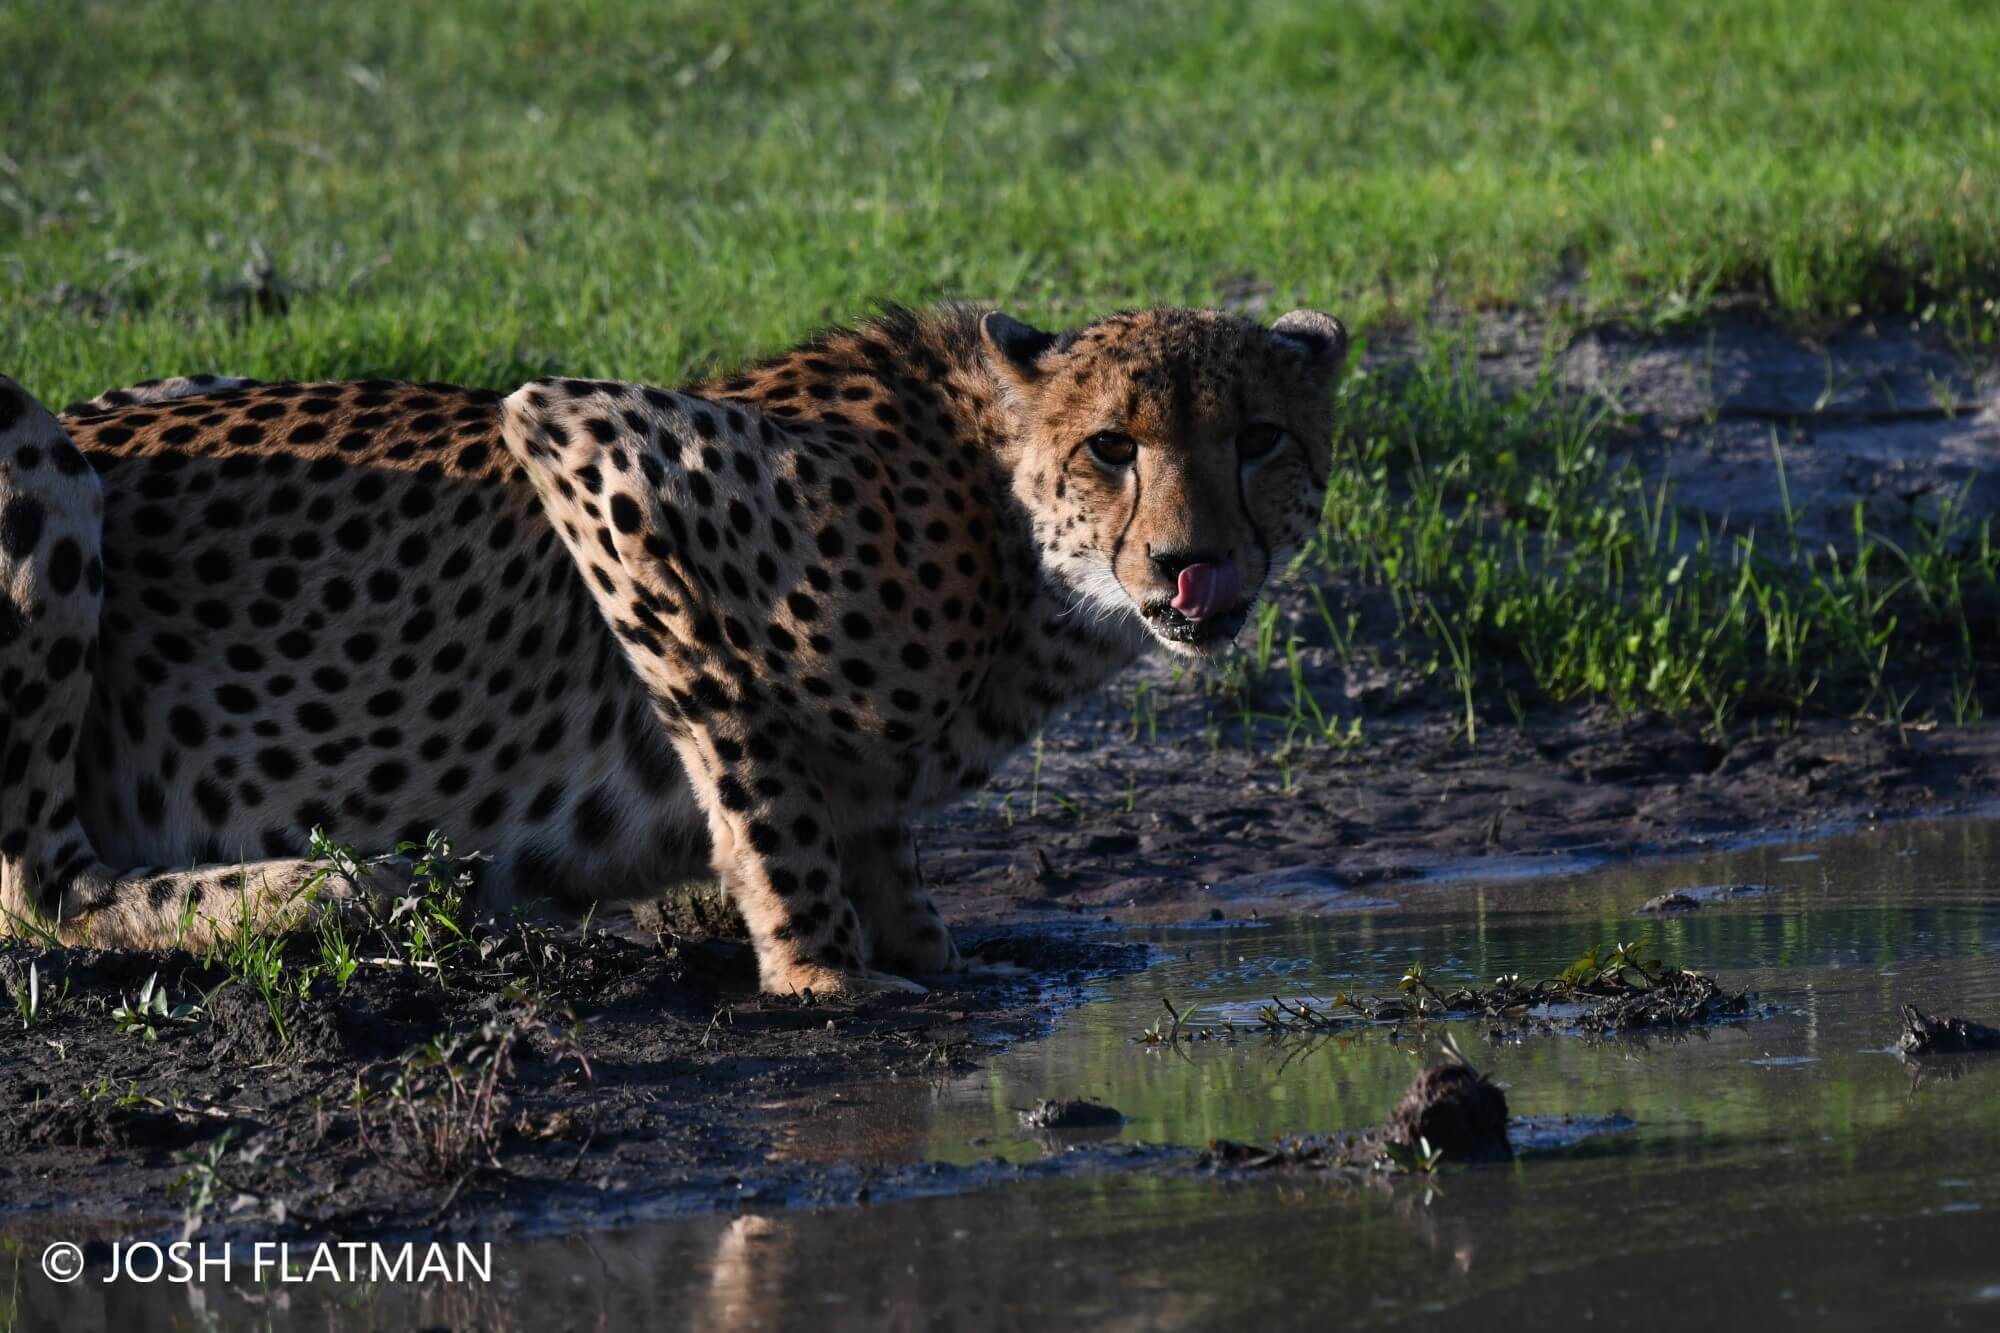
987	969
827	982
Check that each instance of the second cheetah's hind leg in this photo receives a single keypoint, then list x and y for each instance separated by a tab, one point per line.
51	591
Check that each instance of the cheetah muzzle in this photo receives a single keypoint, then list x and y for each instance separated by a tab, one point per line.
609	634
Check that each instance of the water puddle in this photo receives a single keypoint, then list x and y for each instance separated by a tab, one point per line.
1786	1167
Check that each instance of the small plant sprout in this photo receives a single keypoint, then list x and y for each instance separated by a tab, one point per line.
337	957
1267	634
1145	715
433	915
201	1179
443	1109
1417	1159
1035	780
184	922
30	1002
150	1013
1415	985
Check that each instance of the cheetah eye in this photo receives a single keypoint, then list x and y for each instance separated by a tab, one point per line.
1112	450
1258	440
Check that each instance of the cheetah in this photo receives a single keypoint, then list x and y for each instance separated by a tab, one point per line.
613	634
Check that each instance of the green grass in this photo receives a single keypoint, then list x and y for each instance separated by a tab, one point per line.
485	193
488	192
1515	533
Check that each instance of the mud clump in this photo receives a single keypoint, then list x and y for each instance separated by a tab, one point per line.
1672	999
1605	993
1924	1034
1450	1110
698	908
1457	1111
1075	1113
1695	898
250	1028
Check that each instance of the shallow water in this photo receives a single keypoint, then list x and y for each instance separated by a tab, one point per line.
1786	1169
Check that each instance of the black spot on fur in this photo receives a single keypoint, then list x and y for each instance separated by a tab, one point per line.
21	522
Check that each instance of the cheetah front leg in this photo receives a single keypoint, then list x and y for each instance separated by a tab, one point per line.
632	478
906	934
884	882
780	863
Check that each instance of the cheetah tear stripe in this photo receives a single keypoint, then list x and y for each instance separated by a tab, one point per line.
1207	591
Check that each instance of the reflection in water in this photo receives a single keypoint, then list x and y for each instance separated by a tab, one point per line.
1784	1170
749	1258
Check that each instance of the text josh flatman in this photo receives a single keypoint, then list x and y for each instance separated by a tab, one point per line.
279	1261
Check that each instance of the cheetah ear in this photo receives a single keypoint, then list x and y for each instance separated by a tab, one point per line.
1014	348
1321	339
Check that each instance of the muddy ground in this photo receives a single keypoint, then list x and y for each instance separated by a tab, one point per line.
673	1093
639	1072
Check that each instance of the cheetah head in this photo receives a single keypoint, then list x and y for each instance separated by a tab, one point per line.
1172	460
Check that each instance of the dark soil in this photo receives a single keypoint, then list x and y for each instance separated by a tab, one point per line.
1197	819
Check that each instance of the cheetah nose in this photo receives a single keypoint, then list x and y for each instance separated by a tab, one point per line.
1208	590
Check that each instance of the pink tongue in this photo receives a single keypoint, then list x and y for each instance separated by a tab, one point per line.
1207	590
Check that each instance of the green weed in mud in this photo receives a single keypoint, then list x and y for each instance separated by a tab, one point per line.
1292	731
423	929
35	1006
100	1093
1415	1159
151	1012
25	928
202	1179
441	1113
435	921
254	957
338	956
